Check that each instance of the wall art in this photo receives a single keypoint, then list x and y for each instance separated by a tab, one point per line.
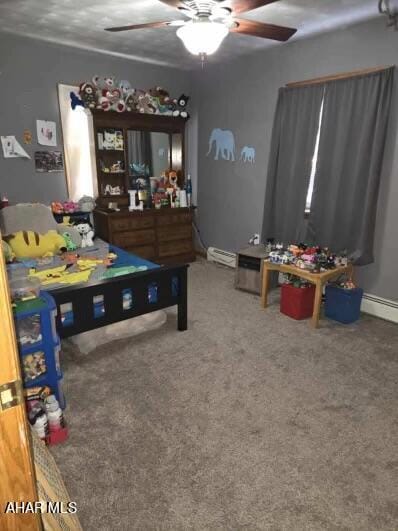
46	133
248	154
49	161
223	142
12	149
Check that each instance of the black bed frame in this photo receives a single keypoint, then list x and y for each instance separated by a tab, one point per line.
81	298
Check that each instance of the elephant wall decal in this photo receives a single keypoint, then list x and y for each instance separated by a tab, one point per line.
248	154
225	144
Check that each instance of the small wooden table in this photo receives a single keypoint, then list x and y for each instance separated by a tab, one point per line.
319	279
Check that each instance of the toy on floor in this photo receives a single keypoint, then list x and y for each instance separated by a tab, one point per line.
86	233
46	416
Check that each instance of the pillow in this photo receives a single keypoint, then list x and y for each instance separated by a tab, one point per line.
29	216
29	244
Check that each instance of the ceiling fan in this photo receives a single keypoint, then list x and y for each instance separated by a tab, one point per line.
212	20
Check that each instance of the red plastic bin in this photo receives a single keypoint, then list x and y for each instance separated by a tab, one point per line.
297	303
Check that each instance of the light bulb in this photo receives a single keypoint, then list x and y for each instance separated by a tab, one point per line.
202	37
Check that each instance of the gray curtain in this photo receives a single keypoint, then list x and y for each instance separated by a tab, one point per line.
293	141
351	147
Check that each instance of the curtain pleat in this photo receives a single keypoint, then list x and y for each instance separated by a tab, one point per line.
293	142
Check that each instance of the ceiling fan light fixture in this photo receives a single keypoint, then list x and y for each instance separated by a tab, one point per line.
202	37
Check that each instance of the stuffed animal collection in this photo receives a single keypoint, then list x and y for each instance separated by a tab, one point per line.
110	95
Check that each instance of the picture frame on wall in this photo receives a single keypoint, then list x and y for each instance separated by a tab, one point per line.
49	161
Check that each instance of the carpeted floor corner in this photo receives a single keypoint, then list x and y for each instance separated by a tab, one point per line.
247	421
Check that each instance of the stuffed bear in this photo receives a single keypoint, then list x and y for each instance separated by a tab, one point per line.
146	104
87	234
131	102
111	99
87	93
102	85
125	88
162	99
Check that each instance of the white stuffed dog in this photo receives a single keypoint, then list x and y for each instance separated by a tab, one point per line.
86	233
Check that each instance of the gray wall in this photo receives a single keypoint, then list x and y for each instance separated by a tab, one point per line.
241	96
29	73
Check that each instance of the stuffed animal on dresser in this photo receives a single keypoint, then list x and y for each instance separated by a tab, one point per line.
180	106
87	234
87	93
146	104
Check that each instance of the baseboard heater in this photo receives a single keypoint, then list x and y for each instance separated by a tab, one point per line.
380	307
221	257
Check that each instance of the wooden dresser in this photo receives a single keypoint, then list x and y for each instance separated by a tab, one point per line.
163	236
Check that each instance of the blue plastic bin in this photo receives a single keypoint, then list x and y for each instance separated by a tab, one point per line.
343	305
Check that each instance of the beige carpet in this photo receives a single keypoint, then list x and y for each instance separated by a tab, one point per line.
247	421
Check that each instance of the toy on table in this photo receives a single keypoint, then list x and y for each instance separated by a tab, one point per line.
69	207
86	233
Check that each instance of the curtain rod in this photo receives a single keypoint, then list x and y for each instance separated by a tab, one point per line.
334	77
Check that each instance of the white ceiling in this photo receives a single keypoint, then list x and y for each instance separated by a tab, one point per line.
80	23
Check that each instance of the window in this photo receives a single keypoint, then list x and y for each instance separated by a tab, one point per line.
311	183
77	132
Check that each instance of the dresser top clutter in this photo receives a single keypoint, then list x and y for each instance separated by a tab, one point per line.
144	197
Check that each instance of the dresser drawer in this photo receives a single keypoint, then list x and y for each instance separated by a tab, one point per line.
174	218
129	239
131	223
176	232
175	248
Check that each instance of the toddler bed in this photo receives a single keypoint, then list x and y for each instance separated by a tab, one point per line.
102	301
131	287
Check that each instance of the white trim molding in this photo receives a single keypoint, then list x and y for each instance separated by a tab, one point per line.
379	307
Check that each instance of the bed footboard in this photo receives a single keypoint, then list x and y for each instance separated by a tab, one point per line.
82	308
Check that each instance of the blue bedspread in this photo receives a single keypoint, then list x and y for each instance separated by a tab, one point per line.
124	258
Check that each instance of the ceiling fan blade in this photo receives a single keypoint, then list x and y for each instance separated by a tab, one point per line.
265	31
139	26
241	6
